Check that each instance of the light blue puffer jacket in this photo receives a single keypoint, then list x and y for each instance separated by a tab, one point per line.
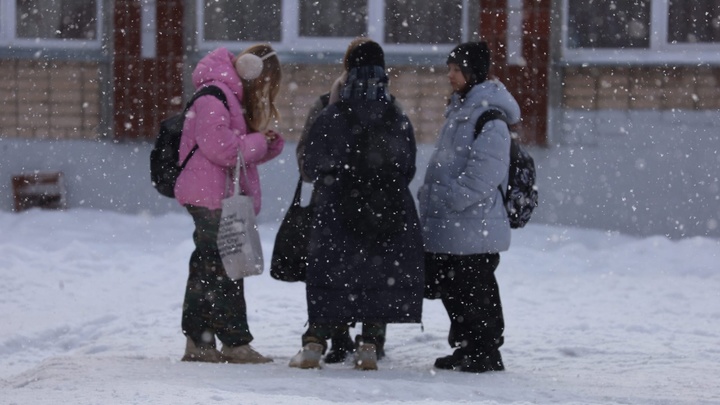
461	207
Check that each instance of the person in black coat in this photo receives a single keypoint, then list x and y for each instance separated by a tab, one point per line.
365	261
340	343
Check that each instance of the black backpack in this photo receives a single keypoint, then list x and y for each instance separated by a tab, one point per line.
372	200
164	156
521	196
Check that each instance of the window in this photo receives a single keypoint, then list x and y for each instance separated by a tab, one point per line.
642	31
247	20
417	22
345	18
694	22
309	27
609	24
50	23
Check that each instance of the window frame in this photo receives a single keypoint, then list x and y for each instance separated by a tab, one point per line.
660	51
8	24
295	47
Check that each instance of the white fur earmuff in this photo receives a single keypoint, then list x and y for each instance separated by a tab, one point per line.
250	66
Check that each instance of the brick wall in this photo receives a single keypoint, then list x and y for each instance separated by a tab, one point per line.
49	99
61	100
641	88
422	92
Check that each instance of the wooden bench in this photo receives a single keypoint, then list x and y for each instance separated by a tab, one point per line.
42	190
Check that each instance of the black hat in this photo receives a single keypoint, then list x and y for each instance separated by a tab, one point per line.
366	54
473	59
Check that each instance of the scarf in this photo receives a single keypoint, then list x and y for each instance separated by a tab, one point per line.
366	83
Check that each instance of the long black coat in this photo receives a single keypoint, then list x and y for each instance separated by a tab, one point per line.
352	277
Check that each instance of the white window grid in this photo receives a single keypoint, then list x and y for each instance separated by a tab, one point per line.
659	51
292	42
8	12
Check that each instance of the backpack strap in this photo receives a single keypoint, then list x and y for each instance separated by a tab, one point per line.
211	90
487	116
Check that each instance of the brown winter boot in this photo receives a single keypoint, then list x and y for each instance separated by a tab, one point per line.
203	353
307	357
244	354
366	357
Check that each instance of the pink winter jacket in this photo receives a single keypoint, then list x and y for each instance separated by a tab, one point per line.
220	134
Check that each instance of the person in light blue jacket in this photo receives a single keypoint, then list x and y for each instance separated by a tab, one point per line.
464	221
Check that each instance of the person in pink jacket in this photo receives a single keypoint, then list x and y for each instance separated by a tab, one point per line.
214	305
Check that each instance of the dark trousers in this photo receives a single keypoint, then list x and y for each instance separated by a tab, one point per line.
469	291
214	304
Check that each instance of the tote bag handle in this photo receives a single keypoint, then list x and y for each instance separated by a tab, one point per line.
239	166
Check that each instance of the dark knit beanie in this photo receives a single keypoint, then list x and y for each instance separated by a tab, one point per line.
473	59
366	54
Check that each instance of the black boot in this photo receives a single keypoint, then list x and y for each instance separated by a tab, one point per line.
340	346
380	349
450	362
471	361
482	362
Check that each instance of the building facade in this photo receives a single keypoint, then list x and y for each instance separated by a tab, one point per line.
103	69
114	68
636	80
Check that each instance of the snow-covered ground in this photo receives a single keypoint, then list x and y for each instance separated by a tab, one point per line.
90	305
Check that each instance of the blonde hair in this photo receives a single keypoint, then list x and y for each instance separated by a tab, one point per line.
259	94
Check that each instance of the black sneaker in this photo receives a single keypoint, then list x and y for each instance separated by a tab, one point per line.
340	347
494	361
450	362
460	360
482	363
380	350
